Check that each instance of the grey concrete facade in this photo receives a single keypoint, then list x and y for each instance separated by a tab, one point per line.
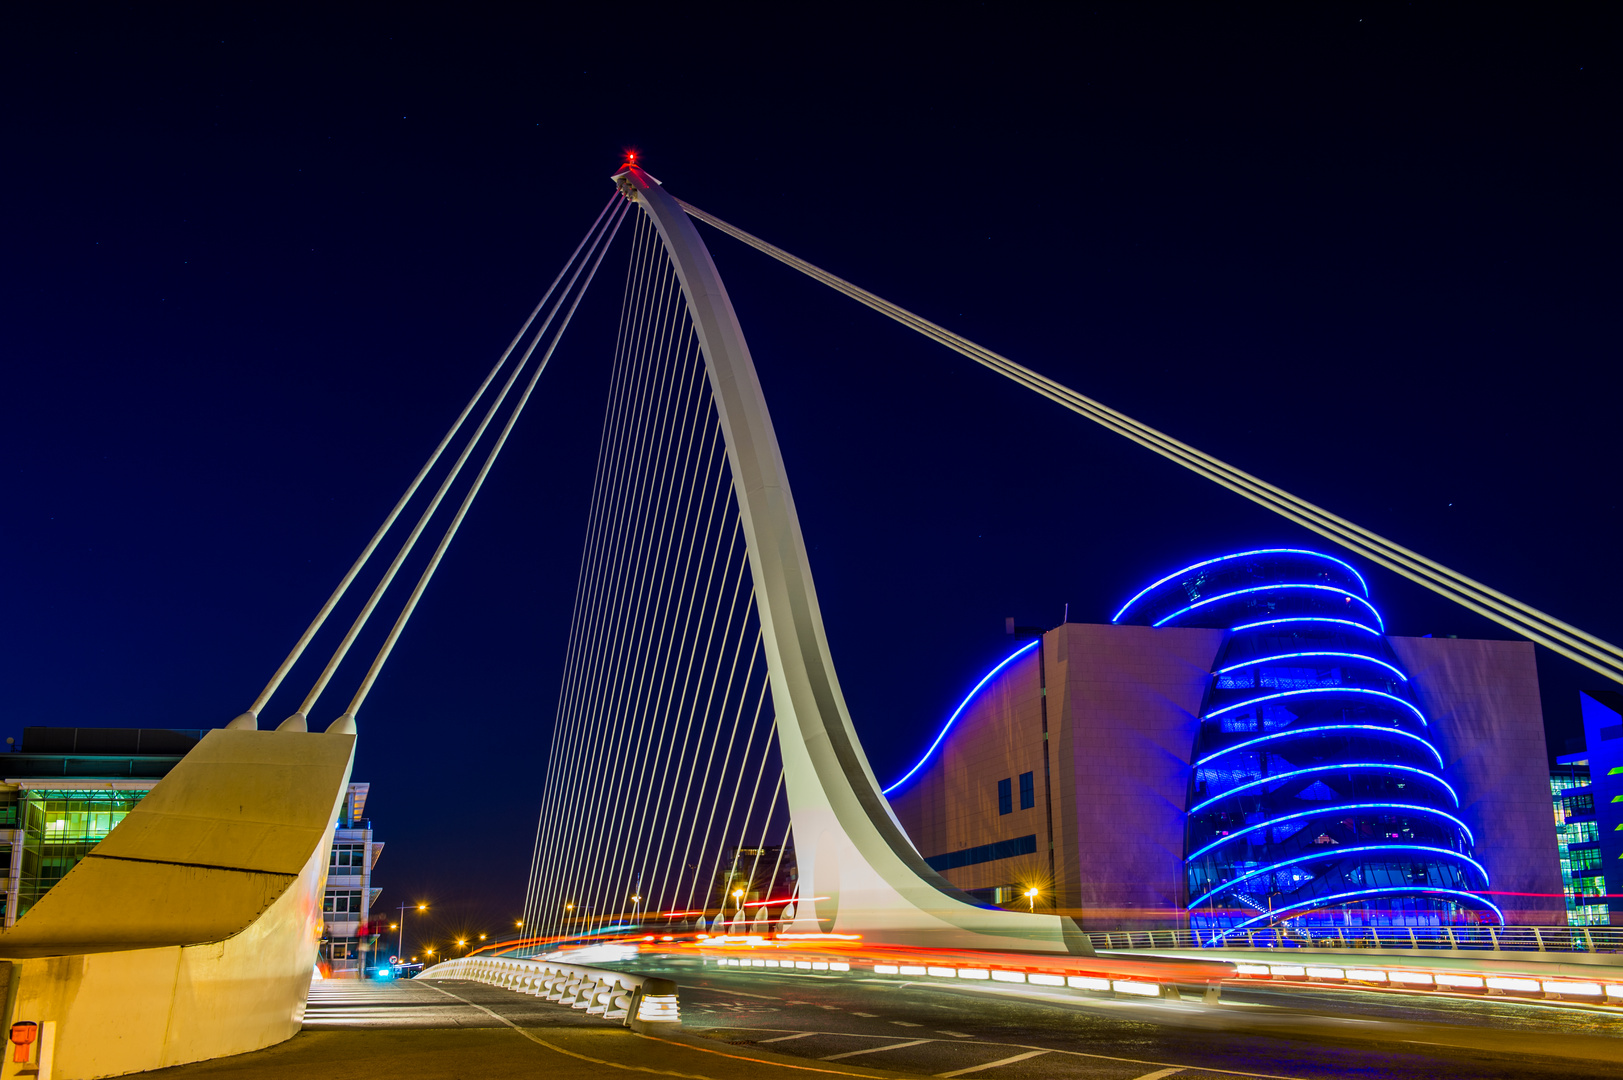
1123	708
1487	720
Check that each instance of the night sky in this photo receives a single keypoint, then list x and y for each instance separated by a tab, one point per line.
255	263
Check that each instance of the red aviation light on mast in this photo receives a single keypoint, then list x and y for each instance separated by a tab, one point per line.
631	160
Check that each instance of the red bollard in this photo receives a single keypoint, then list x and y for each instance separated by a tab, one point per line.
23	1032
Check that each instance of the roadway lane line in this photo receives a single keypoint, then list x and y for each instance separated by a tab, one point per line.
877	1049
956	1034
785	1038
1026	1056
1031	1052
719	990
637	1068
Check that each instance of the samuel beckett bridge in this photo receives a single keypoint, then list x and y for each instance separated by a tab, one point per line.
708	809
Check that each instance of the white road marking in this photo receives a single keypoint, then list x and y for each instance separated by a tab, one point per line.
1011	1061
876	1049
864	1014
905	1023
739	993
786	1038
1158	1075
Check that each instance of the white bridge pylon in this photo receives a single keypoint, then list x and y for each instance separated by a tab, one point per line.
859	873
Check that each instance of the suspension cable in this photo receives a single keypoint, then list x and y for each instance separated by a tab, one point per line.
1593	652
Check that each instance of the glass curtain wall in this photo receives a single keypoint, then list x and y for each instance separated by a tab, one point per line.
59	828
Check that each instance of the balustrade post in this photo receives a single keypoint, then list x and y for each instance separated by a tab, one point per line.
1538	936
1589	942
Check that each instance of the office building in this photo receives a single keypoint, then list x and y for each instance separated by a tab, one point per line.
352	932
63	789
1588	789
1577	838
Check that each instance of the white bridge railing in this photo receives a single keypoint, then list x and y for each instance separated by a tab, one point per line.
1565	939
613	995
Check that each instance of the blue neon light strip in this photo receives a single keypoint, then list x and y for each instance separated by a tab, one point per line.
1312	729
1241	555
1331	853
1271	822
1304	618
1027	647
1272	588
1293	655
1325	768
1317	690
1396	890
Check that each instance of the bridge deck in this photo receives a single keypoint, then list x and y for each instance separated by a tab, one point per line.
752	1026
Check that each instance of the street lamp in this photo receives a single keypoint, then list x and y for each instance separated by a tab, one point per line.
1031	896
635	900
738	897
400	942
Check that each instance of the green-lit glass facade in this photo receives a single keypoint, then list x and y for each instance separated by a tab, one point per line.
50	830
1583	877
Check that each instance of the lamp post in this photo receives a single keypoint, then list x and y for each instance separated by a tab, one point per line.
738	897
400	943
635	900
1031	897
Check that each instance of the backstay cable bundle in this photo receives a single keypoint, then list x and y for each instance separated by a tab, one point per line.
564	296
663	801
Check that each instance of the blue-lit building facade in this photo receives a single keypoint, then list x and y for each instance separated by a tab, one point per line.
1315	792
1244	746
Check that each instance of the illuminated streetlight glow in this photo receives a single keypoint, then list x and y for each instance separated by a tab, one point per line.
1031	897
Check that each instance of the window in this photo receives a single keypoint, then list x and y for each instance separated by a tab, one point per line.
1003	849
345	902
1028	791
348	859
1005	797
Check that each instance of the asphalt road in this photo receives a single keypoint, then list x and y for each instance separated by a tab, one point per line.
999	1031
